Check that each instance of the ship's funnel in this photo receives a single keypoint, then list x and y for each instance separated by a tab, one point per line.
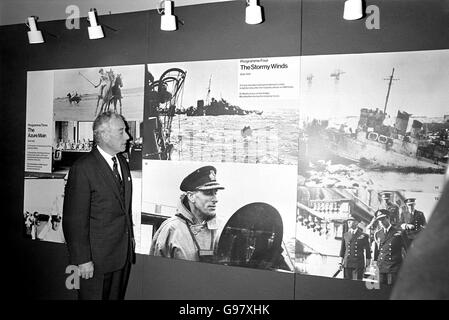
416	128
402	122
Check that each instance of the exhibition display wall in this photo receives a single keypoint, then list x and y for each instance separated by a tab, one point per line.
305	41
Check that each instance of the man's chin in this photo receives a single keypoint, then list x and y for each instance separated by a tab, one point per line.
211	215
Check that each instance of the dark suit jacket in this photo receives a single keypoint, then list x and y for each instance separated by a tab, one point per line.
97	223
354	248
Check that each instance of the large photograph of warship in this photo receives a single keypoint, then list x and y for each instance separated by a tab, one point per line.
374	135
193	112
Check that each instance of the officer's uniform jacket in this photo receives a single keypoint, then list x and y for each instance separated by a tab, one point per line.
390	246
417	219
354	249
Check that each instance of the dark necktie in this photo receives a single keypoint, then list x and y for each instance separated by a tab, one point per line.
115	170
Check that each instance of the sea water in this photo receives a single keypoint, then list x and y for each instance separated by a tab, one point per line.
270	138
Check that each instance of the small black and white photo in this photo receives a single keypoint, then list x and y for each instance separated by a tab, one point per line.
339	231
42	209
82	94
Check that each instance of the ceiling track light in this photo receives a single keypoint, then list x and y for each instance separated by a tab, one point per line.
95	31
253	12
34	35
168	20
353	10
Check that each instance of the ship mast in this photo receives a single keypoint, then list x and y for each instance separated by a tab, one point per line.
208	92
390	80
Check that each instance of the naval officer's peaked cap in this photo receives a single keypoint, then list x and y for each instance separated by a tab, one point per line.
410	200
382	213
201	179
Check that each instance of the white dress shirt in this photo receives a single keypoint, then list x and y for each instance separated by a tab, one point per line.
108	159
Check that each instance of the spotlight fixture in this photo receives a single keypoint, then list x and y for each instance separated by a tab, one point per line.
34	35
168	20
95	31
353	10
253	12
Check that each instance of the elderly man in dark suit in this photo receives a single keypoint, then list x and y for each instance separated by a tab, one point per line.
355	251
97	219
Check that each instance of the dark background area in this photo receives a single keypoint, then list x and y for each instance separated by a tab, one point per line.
211	31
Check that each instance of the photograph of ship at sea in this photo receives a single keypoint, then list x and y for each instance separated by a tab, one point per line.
373	135
384	113
81	94
203	111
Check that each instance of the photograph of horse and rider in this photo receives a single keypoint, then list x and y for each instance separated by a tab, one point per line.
82	94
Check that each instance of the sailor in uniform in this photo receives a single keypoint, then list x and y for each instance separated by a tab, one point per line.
412	221
192	234
391	207
355	251
390	248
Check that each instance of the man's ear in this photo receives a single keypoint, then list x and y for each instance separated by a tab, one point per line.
190	196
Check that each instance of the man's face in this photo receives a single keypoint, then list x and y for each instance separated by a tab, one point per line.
385	222
411	207
205	203
115	136
353	224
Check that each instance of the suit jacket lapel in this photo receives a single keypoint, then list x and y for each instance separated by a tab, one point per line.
106	172
128	190
126	177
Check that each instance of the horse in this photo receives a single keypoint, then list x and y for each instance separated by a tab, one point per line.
76	98
111	95
116	93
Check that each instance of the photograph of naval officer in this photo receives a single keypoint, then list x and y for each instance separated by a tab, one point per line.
192	234
355	251
412	221
393	208
390	248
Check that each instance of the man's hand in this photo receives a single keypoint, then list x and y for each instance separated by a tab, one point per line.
407	226
86	270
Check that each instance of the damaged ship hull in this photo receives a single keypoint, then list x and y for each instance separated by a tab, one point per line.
379	152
